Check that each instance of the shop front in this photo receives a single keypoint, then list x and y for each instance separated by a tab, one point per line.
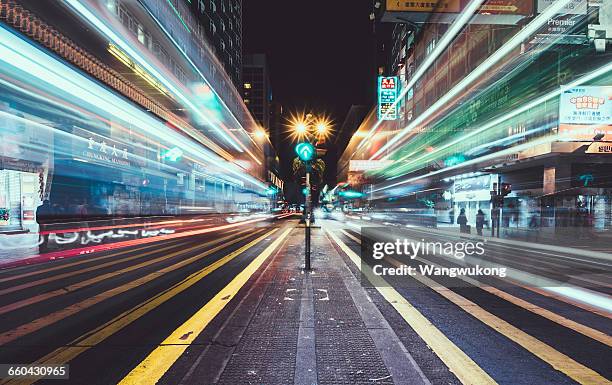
19	198
472	194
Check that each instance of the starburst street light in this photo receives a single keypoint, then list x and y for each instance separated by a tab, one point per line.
301	128
309	127
323	128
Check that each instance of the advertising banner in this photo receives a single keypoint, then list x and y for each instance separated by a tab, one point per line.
585	113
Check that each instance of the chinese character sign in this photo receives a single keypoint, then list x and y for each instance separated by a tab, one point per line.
585	113
586	105
388	89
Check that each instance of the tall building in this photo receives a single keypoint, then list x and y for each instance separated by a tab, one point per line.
257	91
221	22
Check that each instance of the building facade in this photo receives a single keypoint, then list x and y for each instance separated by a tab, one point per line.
257	91
473	118
221	22
126	112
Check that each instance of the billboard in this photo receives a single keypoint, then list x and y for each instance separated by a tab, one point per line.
424	6
585	113
388	90
569	24
521	7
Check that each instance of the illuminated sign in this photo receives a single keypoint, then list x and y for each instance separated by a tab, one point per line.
586	112
424	6
368	165
505	7
388	89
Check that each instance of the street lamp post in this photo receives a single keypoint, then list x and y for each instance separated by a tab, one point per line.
306	153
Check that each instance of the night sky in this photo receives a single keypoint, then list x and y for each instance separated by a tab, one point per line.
320	53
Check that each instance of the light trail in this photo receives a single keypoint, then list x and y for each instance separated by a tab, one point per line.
71	84
446	39
538	100
197	69
64	254
108	33
543	140
505	49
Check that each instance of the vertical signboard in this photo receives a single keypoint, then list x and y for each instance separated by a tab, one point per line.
388	89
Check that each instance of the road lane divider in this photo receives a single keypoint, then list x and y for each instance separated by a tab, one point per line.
89	269
75	263
97	279
558	319
59	315
457	361
153	367
545	313
559	361
587	299
85	342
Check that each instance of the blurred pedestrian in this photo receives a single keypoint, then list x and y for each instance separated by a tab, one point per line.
44	213
480	221
462	222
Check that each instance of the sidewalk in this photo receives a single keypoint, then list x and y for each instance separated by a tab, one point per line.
290	327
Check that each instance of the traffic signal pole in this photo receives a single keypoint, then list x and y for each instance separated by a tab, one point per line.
307	221
306	152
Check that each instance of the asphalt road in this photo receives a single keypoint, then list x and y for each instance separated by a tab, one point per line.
102	312
517	332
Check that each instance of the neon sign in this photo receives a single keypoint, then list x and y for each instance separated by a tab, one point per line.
387	96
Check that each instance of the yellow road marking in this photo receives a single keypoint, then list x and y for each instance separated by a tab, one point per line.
88	282
49	319
565	322
85	342
153	367
545	352
466	370
53	278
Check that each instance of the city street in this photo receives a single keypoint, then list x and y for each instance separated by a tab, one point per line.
278	192
112	307
158	312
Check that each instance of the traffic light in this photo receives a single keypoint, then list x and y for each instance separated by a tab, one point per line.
305	151
506	188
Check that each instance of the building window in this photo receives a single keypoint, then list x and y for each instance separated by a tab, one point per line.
430	47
